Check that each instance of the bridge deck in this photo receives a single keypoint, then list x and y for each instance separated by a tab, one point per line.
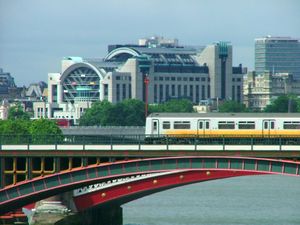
23	193
150	150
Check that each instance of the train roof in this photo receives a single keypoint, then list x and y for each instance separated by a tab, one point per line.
224	115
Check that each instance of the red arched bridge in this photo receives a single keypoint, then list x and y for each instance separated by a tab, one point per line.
149	176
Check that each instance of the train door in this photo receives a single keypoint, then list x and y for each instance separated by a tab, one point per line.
203	127
268	127
155	127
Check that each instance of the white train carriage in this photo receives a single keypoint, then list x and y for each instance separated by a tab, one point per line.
223	124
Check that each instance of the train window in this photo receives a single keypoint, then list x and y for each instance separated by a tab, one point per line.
272	124
226	125
291	125
200	125
155	125
166	125
265	125
182	125
246	125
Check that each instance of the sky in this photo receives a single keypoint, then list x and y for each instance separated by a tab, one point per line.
36	34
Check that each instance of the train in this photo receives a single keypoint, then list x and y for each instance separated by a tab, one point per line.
184	126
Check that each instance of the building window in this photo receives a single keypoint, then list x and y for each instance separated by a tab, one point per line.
105	91
129	90
54	93
197	79
178	78
167	92
233	93
161	92
124	91
172	78
191	78
118	92
208	91
167	78
203	92
173	90
238	90
185	90
202	78
185	79
197	94
179	90
161	78
192	92
155	93
118	78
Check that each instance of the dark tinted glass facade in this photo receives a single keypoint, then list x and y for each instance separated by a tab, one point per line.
278	55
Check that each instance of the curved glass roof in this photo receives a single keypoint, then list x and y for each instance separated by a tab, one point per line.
159	55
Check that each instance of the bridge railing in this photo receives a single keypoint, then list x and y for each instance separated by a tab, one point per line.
145	140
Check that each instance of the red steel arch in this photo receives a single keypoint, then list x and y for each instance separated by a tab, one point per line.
129	191
29	191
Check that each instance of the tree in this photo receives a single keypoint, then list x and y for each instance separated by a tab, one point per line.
284	103
15	131
134	112
16	112
182	105
98	114
45	131
232	106
129	112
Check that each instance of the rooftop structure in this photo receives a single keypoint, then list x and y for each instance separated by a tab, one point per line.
156	41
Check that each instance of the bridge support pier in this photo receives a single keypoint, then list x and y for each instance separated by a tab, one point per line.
109	215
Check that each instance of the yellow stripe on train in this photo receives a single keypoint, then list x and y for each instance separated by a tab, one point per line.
234	133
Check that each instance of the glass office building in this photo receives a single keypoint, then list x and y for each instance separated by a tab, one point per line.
277	55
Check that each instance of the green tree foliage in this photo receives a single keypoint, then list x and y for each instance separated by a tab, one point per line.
232	106
127	113
45	131
16	112
182	105
284	103
15	131
98	114
130	112
134	112
19	131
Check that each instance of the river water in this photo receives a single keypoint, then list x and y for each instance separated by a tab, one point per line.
251	200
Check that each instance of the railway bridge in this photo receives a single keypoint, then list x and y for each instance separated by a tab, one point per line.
100	177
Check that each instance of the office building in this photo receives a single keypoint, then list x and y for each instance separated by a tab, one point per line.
277	55
173	71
